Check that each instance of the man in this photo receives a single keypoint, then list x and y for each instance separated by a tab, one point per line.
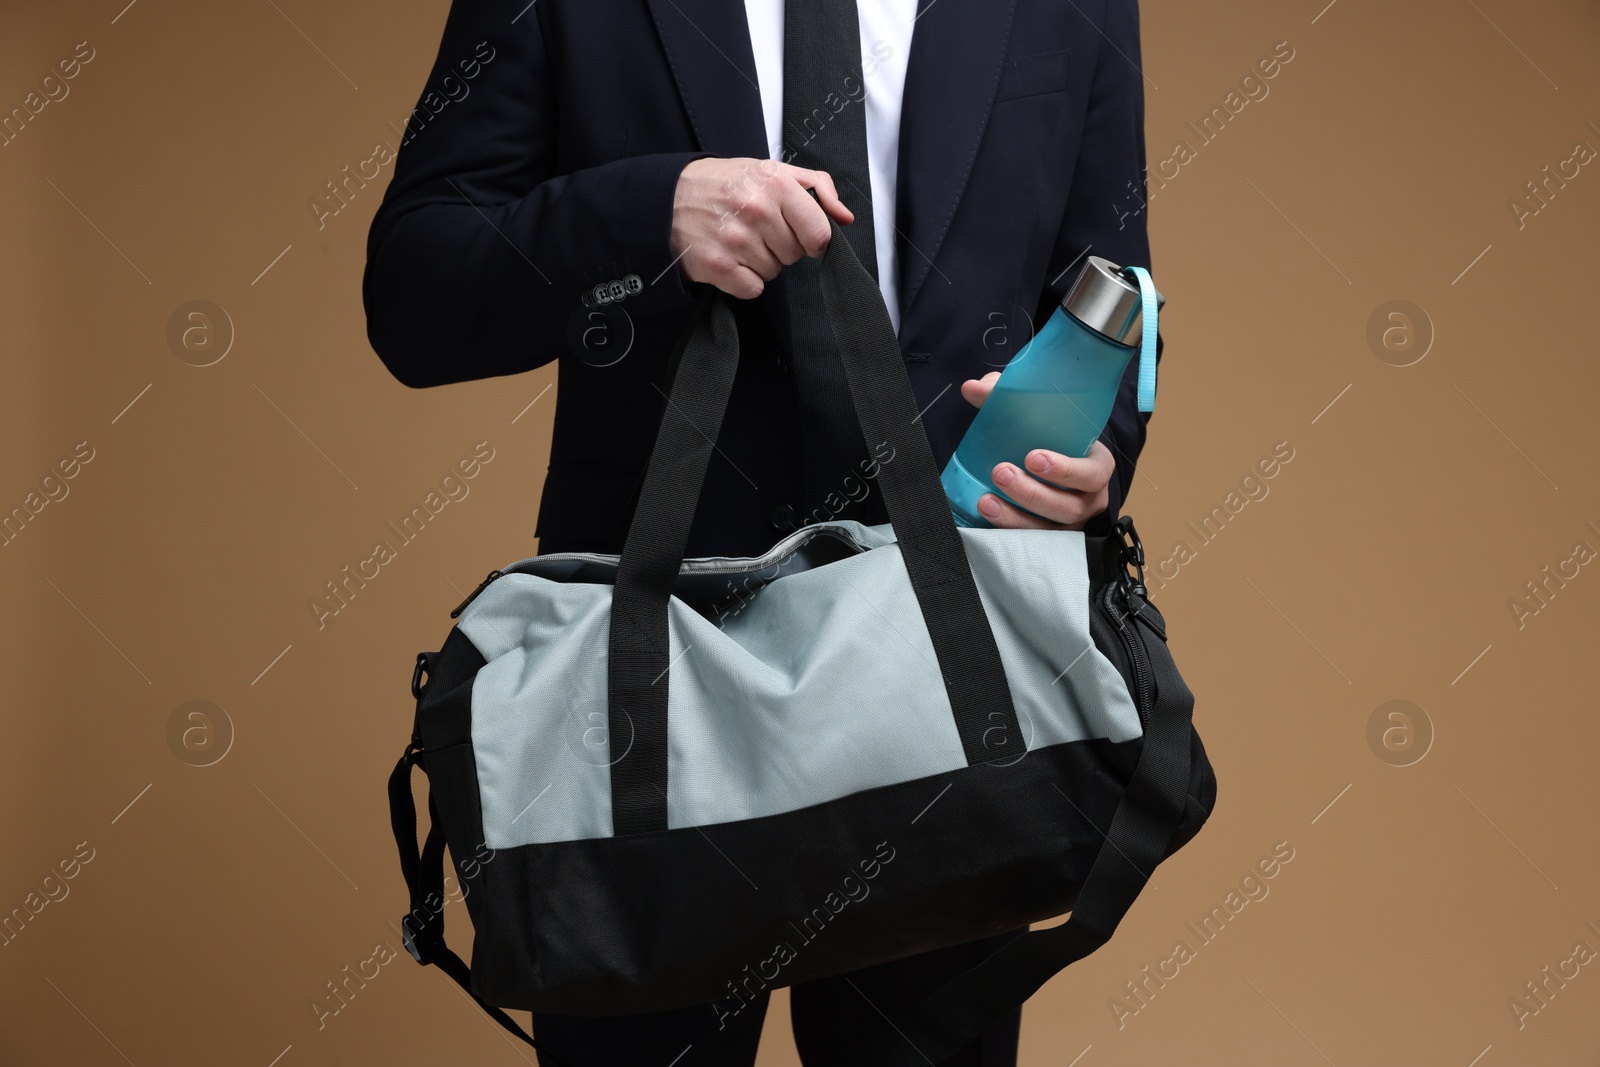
609	160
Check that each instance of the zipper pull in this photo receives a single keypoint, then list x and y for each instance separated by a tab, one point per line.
492	575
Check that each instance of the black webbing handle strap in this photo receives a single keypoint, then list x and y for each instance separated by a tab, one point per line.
1141	830
638	648
935	559
422	929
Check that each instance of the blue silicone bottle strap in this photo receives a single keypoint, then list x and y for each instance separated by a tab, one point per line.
1147	340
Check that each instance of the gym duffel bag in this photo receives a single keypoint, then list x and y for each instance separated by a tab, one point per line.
667	782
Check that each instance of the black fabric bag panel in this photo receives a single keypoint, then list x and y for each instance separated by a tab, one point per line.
649	922
444	711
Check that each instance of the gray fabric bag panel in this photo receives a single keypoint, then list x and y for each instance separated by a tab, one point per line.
810	686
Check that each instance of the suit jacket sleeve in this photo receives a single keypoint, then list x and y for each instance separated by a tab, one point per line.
1106	215
480	250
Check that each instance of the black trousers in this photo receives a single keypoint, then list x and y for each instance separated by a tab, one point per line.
831	1016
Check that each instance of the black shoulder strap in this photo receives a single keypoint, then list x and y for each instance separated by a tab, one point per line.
423	927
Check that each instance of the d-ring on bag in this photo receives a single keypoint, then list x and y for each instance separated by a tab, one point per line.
666	782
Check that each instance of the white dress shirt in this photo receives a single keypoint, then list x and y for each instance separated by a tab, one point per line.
885	46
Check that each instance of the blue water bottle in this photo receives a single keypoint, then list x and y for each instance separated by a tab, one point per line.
1057	393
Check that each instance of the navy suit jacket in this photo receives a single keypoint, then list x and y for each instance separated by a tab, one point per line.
551	170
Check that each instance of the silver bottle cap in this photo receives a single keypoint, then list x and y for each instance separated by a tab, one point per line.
1105	298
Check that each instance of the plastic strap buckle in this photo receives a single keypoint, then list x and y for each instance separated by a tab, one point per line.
1147	339
421	942
411	946
1131	551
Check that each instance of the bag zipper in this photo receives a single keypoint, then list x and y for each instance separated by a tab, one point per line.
511	568
491	576
1143	676
1134	601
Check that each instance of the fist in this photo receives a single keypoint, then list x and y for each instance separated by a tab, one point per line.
1061	492
737	222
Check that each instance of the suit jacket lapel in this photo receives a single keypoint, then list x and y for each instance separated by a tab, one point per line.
957	50
708	46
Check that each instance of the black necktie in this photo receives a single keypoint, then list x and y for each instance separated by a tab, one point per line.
825	128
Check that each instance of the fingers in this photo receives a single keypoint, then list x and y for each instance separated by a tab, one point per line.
1004	515
724	270
742	283
1087	474
804	218
827	195
752	247
1050	508
760	232
1048	503
1076	489
977	390
738	222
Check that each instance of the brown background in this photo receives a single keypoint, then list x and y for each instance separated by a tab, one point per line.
1380	166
